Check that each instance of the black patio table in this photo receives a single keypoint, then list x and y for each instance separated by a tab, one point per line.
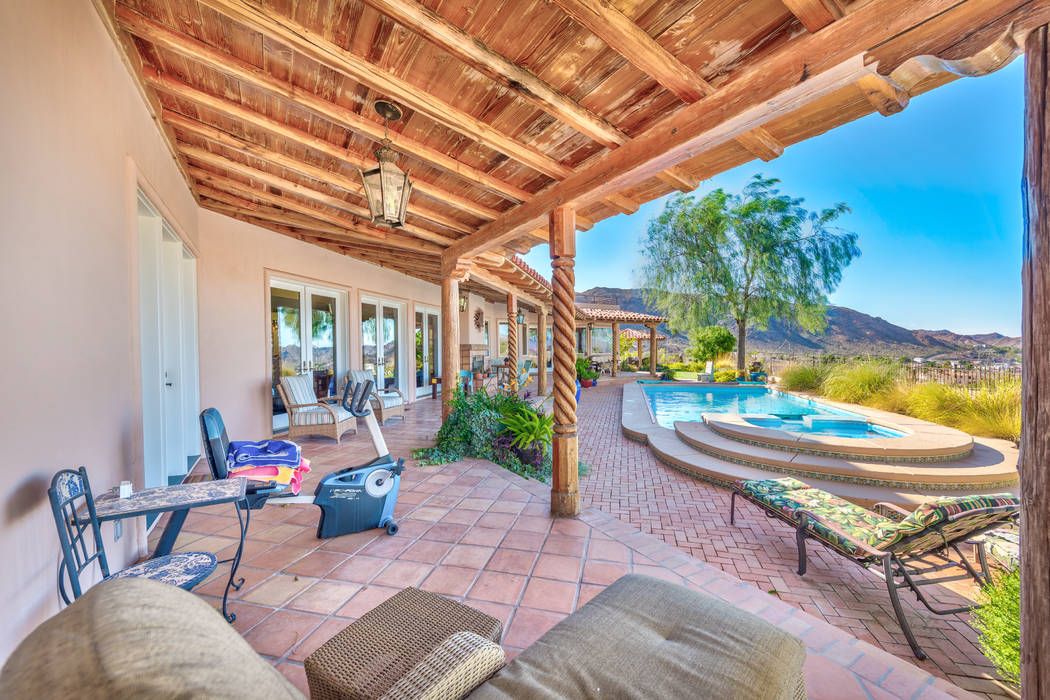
178	500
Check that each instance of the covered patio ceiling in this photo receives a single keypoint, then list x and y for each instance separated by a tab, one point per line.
268	107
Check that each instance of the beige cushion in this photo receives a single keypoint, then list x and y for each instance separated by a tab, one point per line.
317	415
299	389
135	638
647	638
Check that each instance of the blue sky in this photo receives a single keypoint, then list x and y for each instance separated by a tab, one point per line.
935	196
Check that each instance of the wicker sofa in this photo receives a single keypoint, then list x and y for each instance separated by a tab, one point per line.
641	637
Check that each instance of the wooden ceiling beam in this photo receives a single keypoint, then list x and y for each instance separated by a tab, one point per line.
678	179
355	228
199	52
805	69
427	239
883	95
480	273
621	203
220	105
305	41
815	14
347	184
444	34
647	55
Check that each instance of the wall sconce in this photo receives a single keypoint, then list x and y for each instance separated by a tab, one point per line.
521	318
590	326
462	303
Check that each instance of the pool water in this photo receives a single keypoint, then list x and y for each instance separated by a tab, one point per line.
760	406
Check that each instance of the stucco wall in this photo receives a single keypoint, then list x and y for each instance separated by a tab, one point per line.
235	316
71	118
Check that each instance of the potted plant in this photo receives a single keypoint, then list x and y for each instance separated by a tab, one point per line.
530	432
586	376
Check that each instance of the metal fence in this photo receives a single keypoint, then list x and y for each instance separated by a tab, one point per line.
917	373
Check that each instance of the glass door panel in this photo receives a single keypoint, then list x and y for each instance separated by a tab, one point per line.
421	369
323	320
286	345
391	346
369	340
433	342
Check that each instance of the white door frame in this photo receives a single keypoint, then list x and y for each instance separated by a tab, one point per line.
427	311
402	314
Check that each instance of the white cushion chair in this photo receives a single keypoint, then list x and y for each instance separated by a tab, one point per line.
386	403
309	416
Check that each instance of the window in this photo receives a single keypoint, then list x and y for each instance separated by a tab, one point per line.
601	340
581	340
502	335
534	345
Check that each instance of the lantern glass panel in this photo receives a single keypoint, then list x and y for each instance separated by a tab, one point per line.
372	181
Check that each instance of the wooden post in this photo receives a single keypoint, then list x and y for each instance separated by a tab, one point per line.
450	280
652	350
589	345
512	341
541	352
615	349
639	353
1035	382
565	495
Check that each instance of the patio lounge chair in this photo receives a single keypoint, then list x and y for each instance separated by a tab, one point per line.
386	403
80	537
640	638
708	375
917	544
309	416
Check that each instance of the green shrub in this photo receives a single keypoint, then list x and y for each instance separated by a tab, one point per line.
859	382
529	427
801	378
995	411
678	374
998	624
710	343
725	375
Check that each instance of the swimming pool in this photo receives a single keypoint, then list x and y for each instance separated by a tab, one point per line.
760	406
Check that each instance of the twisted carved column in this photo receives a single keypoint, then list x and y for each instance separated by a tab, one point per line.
541	352
565	495
512	341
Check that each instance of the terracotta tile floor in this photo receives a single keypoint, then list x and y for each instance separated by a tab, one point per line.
479	534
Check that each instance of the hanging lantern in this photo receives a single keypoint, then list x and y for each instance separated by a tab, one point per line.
387	188
521	318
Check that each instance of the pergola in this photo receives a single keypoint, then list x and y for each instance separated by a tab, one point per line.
652	336
528	122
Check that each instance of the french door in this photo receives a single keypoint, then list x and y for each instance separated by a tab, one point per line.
168	350
381	341
307	336
428	347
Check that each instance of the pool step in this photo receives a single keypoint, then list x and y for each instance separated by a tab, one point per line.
990	467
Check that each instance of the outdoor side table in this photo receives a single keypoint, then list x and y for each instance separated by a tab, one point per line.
178	500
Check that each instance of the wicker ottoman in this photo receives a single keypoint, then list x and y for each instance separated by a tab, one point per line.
371	655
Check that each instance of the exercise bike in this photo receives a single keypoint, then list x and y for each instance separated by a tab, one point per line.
351	500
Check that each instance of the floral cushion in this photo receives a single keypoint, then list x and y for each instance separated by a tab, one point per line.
855	521
755	487
964	513
182	569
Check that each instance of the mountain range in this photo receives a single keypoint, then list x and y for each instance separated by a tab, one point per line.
848	332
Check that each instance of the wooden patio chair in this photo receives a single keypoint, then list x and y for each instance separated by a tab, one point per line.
309	416
386	403
909	549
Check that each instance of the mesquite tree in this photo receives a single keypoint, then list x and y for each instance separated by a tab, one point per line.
752	257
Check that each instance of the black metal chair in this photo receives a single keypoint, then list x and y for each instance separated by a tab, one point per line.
81	538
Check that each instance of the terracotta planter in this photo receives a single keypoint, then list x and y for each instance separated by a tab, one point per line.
587	383
478	377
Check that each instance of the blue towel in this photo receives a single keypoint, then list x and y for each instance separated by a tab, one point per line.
263	454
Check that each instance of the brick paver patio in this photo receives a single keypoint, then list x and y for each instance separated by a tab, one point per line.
477	533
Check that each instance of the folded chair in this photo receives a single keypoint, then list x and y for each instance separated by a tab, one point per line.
916	545
79	534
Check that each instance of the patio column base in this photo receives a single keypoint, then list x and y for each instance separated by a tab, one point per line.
565	505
